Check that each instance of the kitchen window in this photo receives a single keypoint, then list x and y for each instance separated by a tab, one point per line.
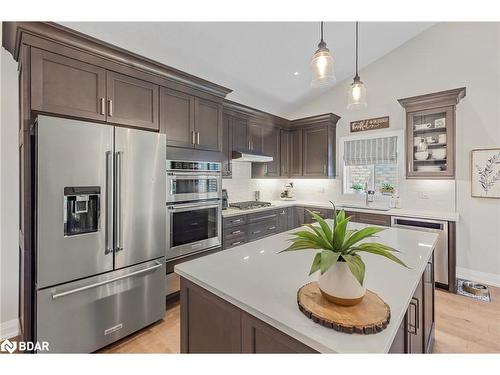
370	162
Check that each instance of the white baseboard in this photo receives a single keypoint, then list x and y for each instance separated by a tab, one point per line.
9	329
478	276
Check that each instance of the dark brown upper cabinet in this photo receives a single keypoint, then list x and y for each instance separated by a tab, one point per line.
256	137
271	147
284	153
208	125
131	101
66	86
315	146
430	134
177	117
190	122
227	147
240	137
296	153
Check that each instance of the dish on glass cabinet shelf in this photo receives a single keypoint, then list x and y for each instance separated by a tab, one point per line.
438	153
440	122
423	126
421	155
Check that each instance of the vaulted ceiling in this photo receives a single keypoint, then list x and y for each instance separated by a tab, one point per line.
265	63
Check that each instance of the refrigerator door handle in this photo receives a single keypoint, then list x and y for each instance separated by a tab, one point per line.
118	184
95	285
109	204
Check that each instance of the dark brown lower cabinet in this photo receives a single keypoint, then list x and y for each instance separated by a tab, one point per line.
211	325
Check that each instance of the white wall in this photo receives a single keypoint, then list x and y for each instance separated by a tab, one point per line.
9	197
447	55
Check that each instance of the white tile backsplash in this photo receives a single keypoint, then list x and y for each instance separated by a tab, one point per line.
415	194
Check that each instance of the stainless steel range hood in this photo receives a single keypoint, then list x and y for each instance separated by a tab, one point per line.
251	157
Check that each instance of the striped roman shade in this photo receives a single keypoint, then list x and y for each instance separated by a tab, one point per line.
371	151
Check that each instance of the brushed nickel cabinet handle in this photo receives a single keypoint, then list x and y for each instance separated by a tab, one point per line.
271	228
256	232
324	168
235	243
101	106
236	232
197	138
110	107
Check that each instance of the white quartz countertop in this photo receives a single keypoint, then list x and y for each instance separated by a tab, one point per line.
422	214
258	280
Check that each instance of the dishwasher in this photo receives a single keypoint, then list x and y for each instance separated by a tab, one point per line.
441	250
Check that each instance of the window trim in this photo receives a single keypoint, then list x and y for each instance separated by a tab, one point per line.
372	134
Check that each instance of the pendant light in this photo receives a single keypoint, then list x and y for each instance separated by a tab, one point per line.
357	92
322	65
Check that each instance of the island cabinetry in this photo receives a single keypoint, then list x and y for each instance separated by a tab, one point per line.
430	134
210	324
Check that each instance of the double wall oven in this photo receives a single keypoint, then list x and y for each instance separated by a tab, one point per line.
194	207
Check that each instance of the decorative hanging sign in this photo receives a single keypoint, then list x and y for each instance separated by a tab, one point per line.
370	124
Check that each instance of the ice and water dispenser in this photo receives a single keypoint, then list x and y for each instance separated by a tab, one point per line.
81	209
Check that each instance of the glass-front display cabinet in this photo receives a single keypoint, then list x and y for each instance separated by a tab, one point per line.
430	134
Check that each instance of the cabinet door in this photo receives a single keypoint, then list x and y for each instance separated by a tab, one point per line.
299	216
296	153
177	118
414	319
132	101
208	125
428	308
256	137
271	147
65	86
315	152
282	219
227	147
240	134
284	153
259	337
291	218
430	143
323	212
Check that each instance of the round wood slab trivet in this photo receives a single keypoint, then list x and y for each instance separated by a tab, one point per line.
371	315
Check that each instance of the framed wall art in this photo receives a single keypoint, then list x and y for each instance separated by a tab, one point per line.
485	173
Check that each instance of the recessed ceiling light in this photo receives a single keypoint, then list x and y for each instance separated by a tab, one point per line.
296	73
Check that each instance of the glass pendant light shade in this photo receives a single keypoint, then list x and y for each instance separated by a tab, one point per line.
322	65
357	95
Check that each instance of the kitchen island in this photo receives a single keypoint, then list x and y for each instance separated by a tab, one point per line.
243	300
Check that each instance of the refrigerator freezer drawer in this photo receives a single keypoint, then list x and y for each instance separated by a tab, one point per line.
86	315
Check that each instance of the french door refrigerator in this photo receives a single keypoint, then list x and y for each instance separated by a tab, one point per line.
100	232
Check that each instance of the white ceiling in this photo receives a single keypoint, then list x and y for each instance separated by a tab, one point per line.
255	59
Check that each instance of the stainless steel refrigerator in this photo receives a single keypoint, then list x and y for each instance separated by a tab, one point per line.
100	232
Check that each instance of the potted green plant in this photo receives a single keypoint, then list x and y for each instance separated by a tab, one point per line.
342	271
358	187
387	189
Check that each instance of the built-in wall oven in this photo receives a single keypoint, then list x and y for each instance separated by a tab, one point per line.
194	211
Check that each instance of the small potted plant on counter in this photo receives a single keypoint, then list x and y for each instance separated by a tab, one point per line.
387	189
342	271
358	187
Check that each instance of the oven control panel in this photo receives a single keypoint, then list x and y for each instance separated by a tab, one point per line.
177	165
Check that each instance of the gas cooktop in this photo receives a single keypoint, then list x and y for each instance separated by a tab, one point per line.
248	205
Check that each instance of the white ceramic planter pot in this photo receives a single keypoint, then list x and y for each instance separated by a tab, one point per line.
338	285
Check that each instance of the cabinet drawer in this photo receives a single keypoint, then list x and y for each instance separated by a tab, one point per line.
263	216
234	241
234	221
376	219
259	230
235	231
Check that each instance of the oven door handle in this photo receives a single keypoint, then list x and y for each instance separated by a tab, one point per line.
179	207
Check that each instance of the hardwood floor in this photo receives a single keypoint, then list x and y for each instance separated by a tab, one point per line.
463	325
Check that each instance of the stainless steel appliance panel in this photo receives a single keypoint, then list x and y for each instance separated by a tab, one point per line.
72	154
441	250
193	227
89	314
140	220
188	186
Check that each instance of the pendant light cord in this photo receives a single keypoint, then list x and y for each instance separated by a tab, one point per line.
356	48
321	30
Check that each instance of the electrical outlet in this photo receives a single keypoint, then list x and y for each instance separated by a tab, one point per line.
423	195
